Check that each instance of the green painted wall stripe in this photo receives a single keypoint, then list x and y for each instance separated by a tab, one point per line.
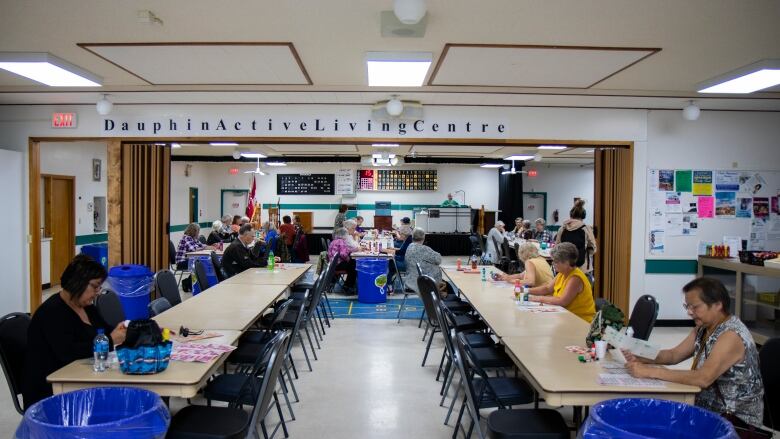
91	239
326	206
671	266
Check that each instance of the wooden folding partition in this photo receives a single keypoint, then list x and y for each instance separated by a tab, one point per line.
612	222
139	205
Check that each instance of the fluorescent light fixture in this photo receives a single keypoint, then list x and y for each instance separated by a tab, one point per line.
552	147
175	145
519	157
48	69
223	143
385	145
376	155
397	69
253	155
276	163
590	151
490	165
754	77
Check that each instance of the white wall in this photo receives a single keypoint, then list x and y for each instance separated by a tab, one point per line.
562	183
75	159
13	295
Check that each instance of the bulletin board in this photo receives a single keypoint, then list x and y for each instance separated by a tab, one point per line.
690	208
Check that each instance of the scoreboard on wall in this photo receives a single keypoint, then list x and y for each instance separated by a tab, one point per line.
305	184
397	180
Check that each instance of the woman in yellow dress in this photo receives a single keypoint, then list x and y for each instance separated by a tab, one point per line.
570	288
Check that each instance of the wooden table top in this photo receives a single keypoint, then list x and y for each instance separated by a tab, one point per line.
223	306
283	274
182	379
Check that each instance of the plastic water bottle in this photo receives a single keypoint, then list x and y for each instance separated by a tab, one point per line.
526	294
630	332
100	351
484	274
271	260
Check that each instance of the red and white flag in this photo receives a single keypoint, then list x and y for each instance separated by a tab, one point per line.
250	202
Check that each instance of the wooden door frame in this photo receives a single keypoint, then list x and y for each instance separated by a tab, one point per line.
34	236
72	232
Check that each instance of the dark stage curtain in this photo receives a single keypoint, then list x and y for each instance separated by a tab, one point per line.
510	196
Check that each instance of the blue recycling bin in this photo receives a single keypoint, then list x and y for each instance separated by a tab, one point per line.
211	275
372	279
98	252
99	413
132	283
644	418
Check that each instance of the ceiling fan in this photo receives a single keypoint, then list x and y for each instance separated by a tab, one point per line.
512	171
256	170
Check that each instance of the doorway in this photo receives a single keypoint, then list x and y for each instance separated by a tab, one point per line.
193	205
535	205
59	222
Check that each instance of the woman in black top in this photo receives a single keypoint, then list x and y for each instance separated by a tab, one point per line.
64	326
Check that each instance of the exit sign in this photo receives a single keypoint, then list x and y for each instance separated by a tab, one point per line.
64	120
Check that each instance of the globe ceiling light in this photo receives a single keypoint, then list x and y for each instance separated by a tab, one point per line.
104	106
409	11
394	106
691	111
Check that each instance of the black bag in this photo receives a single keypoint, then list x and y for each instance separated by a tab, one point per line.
579	238
144	332
186	284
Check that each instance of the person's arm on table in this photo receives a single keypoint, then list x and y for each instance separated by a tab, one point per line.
542	290
728	350
676	355
570	291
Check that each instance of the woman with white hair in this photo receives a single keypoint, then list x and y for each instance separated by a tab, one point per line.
216	235
353	237
537	270
495	235
341	248
419	253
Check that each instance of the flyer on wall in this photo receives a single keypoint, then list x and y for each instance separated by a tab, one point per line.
706	207
672	202
725	204
761	207
727	181
744	207
652	180
665	180
683	180
656	241
702	182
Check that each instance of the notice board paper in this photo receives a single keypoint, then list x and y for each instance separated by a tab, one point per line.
683	180
706	207
702	182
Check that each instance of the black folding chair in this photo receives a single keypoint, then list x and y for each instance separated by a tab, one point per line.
13	349
200	275
217	267
110	308
643	316
176	268
166	286
769	358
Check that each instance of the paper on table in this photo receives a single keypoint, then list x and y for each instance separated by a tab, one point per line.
626	380
637	347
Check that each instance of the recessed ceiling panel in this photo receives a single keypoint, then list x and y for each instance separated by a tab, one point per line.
312	148
207	63
532	66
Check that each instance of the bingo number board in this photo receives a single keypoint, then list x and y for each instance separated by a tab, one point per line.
397	180
305	184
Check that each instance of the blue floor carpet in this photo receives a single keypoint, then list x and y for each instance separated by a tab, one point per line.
352	309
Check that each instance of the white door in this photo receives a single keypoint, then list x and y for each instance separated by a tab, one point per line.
533	206
234	202
12	266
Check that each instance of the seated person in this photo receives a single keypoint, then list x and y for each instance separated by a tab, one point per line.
288	230
528	232
239	256
300	248
339	246
537	270
359	227
235	224
400	254
429	260
518	230
64	326
216	236
496	234
270	235
725	359
540	233
570	288
449	202
402	230
189	243
353	238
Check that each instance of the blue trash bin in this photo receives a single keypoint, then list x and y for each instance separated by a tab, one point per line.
132	283
100	413
372	279
211	275
98	252
642	418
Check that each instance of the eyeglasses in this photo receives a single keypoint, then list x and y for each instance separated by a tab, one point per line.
687	307
98	288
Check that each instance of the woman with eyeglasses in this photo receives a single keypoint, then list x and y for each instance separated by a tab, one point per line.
64	326
725	358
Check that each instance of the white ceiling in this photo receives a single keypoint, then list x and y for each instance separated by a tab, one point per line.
524	66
